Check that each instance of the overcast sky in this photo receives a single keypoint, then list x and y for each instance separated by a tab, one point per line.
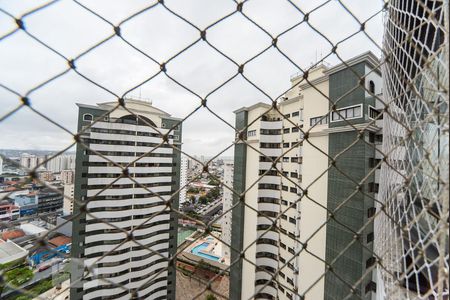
70	29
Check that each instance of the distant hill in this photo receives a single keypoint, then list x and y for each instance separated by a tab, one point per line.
17	153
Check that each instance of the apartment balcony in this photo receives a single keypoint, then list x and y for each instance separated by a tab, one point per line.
263	138
269	207
268	235
275	124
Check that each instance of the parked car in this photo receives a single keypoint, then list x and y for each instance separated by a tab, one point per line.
43	268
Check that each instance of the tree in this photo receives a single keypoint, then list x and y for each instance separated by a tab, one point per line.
203	200
193	190
213	181
14	276
18	276
211	297
213	193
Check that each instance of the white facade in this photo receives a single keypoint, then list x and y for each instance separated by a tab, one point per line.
1	165
28	161
67	176
277	196
68	199
183	177
227	203
283	166
9	212
60	163
128	204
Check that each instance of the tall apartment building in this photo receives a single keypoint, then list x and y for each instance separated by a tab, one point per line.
28	161
300	216
227	203
61	162
69	190
183	177
136	206
413	241
67	176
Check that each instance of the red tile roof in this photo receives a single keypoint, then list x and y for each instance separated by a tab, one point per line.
60	240
13	234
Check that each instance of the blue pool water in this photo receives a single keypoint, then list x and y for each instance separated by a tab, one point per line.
196	250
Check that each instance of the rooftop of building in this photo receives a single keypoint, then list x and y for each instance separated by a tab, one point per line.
136	105
32	229
368	56
252	107
60	240
10	251
12	234
317	74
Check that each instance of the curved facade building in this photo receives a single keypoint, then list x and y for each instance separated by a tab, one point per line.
124	234
275	166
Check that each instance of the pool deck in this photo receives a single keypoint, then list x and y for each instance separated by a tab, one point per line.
214	248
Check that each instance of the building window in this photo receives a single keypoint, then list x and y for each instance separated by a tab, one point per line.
370	237
293	190
295	113
353	112
378	138
251	133
374	162
290	281
295	129
287	115
375	113
321	120
371	212
370	262
88	117
286	130
285	145
285	159
371	287
371	87
373	187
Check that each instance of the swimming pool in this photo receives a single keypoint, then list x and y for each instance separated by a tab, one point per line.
196	250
